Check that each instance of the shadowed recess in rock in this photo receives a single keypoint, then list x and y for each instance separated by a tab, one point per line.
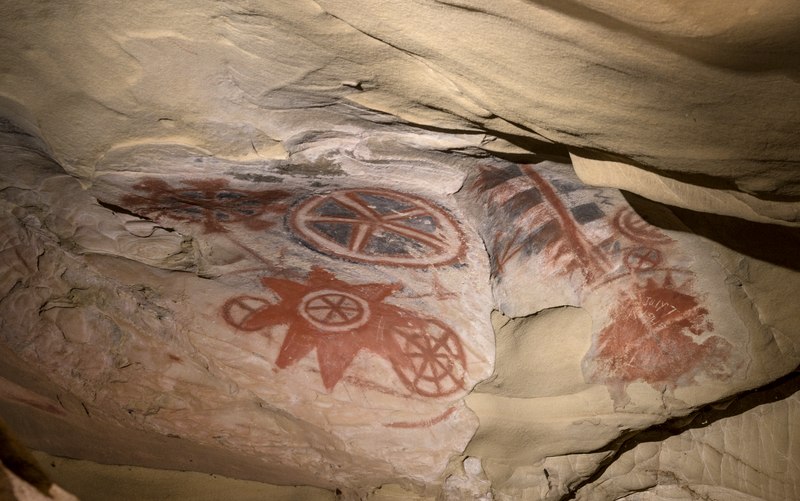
767	242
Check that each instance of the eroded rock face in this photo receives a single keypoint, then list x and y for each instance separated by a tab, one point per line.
316	322
276	241
653	321
665	330
713	458
708	94
327	326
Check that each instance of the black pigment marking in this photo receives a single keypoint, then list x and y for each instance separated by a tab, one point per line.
330	208
565	186
522	202
587	213
121	210
542	236
258	178
491	177
194	195
338	232
384	205
229	195
420	223
392	244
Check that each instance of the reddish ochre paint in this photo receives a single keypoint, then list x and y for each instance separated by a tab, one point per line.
425	423
628	223
642	258
651	337
210	202
46	407
378	226
530	217
581	254
657	330
338	320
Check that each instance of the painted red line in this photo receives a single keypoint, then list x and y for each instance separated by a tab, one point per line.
571	230
424	423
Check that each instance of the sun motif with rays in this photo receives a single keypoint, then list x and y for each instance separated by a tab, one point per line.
339	320
654	335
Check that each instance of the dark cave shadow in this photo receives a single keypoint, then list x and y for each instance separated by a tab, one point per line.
772	243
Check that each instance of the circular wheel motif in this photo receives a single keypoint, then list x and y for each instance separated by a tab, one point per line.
378	226
239	311
334	311
433	363
642	258
637	229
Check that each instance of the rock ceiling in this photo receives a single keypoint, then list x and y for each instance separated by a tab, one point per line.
352	244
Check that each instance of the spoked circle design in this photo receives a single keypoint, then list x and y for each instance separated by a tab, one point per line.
378	226
433	362
239	311
334	311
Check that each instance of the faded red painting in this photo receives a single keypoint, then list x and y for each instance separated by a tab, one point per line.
533	219
629	224
378	226
210	202
652	337
337	320
598	245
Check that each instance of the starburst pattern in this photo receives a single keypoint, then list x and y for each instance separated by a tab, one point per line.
338	320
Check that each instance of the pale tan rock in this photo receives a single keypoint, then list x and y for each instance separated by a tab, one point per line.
124	307
469	482
615	174
525	354
752	455
21	477
133	483
659	311
179	305
668	321
684	89
14	488
274	319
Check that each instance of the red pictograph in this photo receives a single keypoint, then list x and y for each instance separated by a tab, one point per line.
334	311
651	336
428	349
642	258
239	311
378	226
658	331
338	320
637	229
210	202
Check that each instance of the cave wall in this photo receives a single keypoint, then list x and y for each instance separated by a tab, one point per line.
350	245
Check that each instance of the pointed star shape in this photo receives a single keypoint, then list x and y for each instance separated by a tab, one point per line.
326	314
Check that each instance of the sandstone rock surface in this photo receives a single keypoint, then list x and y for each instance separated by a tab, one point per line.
342	245
708	94
326	326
